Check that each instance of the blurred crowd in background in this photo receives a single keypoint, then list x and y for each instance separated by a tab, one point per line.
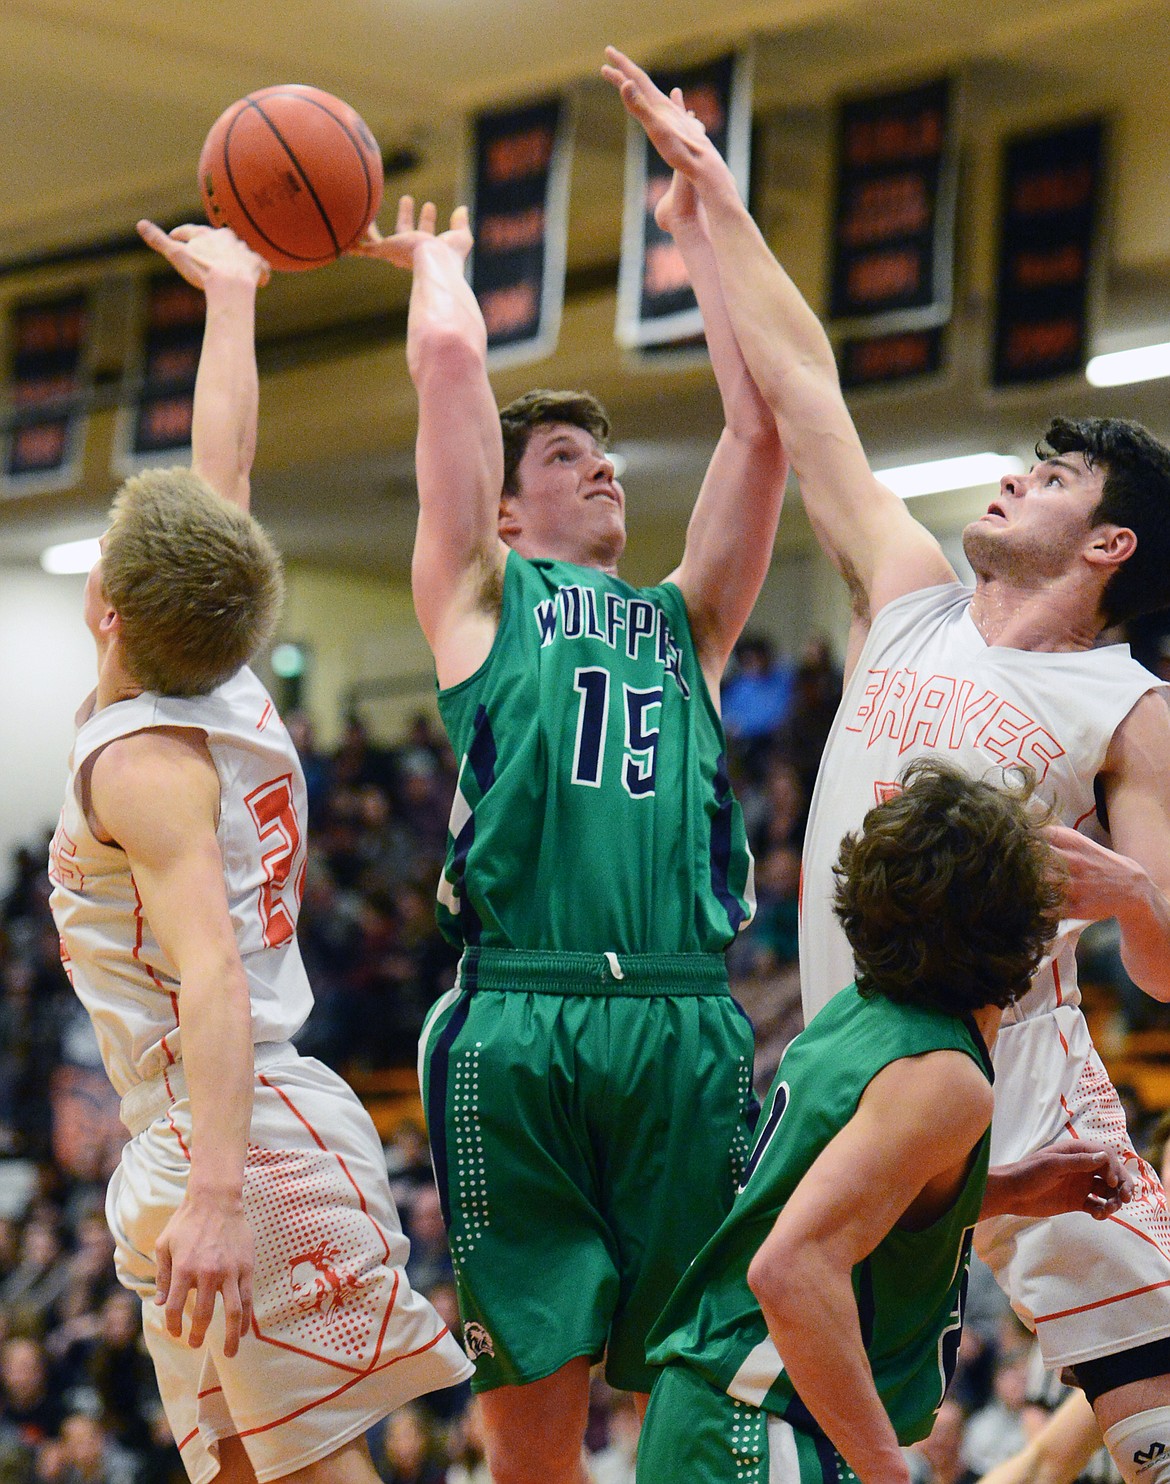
78	1401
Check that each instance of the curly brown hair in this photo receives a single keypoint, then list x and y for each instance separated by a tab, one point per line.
538	408
949	895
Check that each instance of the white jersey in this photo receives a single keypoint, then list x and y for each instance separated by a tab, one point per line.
120	973
927	683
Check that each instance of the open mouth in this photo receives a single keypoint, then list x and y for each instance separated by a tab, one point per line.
997	510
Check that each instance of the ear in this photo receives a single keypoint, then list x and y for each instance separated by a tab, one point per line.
1110	546
110	624
510	524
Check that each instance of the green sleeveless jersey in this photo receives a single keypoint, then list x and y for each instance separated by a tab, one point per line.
593	811
911	1288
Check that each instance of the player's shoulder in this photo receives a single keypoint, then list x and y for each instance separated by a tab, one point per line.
1143	735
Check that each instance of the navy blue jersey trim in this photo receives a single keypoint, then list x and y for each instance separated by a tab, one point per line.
437	1091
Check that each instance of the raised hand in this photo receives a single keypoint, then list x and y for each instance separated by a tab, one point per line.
400	247
680	208
677	135
196	251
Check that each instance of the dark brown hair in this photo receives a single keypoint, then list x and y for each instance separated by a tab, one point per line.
537	409
1135	494
949	895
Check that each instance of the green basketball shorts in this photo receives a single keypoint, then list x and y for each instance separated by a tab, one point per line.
588	1132
695	1432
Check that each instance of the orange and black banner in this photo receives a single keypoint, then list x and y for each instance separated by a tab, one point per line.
163	399
519	214
656	304
1049	215
889	360
894	216
48	386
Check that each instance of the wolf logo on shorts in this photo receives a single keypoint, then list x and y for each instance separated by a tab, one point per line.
477	1341
316	1283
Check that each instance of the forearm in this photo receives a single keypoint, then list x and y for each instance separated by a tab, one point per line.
745	413
776	331
215	1016
443	310
804	1300
1144	919
227	388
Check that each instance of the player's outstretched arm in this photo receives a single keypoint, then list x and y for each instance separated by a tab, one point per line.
1068	1175
458	555
733	526
893	1153
865	529
227	388
206	1248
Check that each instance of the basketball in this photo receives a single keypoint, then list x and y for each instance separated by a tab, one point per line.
293	171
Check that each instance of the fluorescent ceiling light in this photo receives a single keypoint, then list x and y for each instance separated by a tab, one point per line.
1143	363
71	556
937	475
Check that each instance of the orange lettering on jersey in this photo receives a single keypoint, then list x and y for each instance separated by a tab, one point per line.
927	712
63	867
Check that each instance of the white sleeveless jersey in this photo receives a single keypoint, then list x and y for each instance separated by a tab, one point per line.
121	975
927	684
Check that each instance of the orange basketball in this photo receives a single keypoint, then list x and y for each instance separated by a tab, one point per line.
294	172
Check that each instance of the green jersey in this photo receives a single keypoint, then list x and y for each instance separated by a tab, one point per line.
593	811
909	1290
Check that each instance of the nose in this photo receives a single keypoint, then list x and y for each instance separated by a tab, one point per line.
605	466
1009	484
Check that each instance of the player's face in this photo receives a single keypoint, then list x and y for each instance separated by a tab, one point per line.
1040	522
569	504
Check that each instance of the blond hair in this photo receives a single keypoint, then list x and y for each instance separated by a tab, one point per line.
195	580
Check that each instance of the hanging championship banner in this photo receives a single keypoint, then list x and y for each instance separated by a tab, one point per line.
519	205
48	382
1050	207
161	398
889	360
656	304
894	216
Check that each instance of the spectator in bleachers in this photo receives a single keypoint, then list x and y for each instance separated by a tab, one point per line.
29	1403
756	698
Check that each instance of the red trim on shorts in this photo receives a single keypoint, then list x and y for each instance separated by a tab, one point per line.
1101	1303
308	1407
320	1143
211	1390
170	1118
1088	814
324	1359
194	1433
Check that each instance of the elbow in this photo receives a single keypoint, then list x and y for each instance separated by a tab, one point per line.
774	1281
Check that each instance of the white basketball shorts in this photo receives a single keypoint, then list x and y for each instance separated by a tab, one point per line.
338	1339
1086	1288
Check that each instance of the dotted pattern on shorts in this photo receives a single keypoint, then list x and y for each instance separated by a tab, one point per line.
741	1147
1096	1113
749	1444
471	1212
321	1280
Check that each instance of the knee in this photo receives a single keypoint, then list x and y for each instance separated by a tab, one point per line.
534	1457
